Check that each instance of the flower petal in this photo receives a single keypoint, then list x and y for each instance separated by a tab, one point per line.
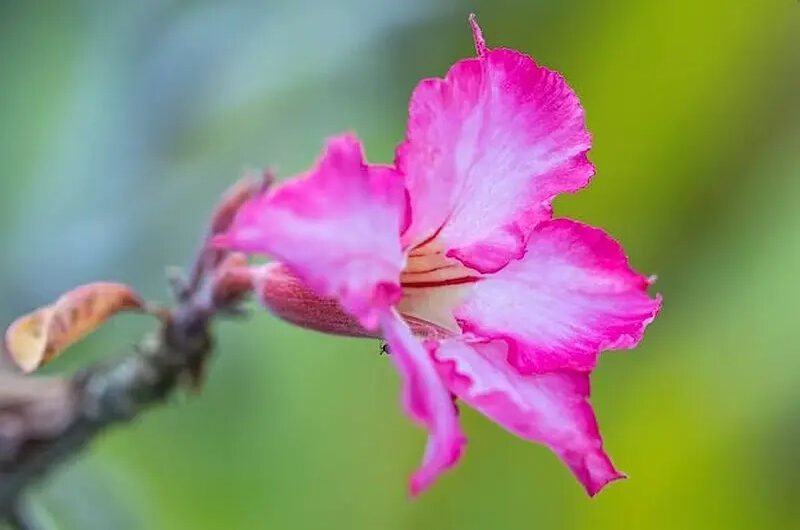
338	228
551	409
486	150
571	296
426	400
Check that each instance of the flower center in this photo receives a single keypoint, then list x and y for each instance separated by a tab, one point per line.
433	285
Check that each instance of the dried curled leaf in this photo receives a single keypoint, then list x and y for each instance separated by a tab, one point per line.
36	338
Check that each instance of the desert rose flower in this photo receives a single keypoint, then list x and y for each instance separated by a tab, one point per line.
453	258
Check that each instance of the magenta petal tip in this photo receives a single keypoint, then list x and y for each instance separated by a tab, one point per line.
415	486
594	489
477	35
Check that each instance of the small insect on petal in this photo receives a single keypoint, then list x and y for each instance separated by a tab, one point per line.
38	337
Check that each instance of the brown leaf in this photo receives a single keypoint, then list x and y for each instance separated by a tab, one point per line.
36	338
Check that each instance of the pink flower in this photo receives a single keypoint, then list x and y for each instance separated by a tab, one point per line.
452	257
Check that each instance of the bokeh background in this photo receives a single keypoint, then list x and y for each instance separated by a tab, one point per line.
121	122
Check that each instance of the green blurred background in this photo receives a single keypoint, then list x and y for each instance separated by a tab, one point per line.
121	122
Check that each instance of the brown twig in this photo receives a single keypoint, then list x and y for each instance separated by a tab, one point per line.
44	421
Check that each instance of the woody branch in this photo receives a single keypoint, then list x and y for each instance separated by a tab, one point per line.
47	420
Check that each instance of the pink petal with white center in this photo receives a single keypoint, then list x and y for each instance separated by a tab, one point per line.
486	150
337	228
572	295
551	409
426	400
